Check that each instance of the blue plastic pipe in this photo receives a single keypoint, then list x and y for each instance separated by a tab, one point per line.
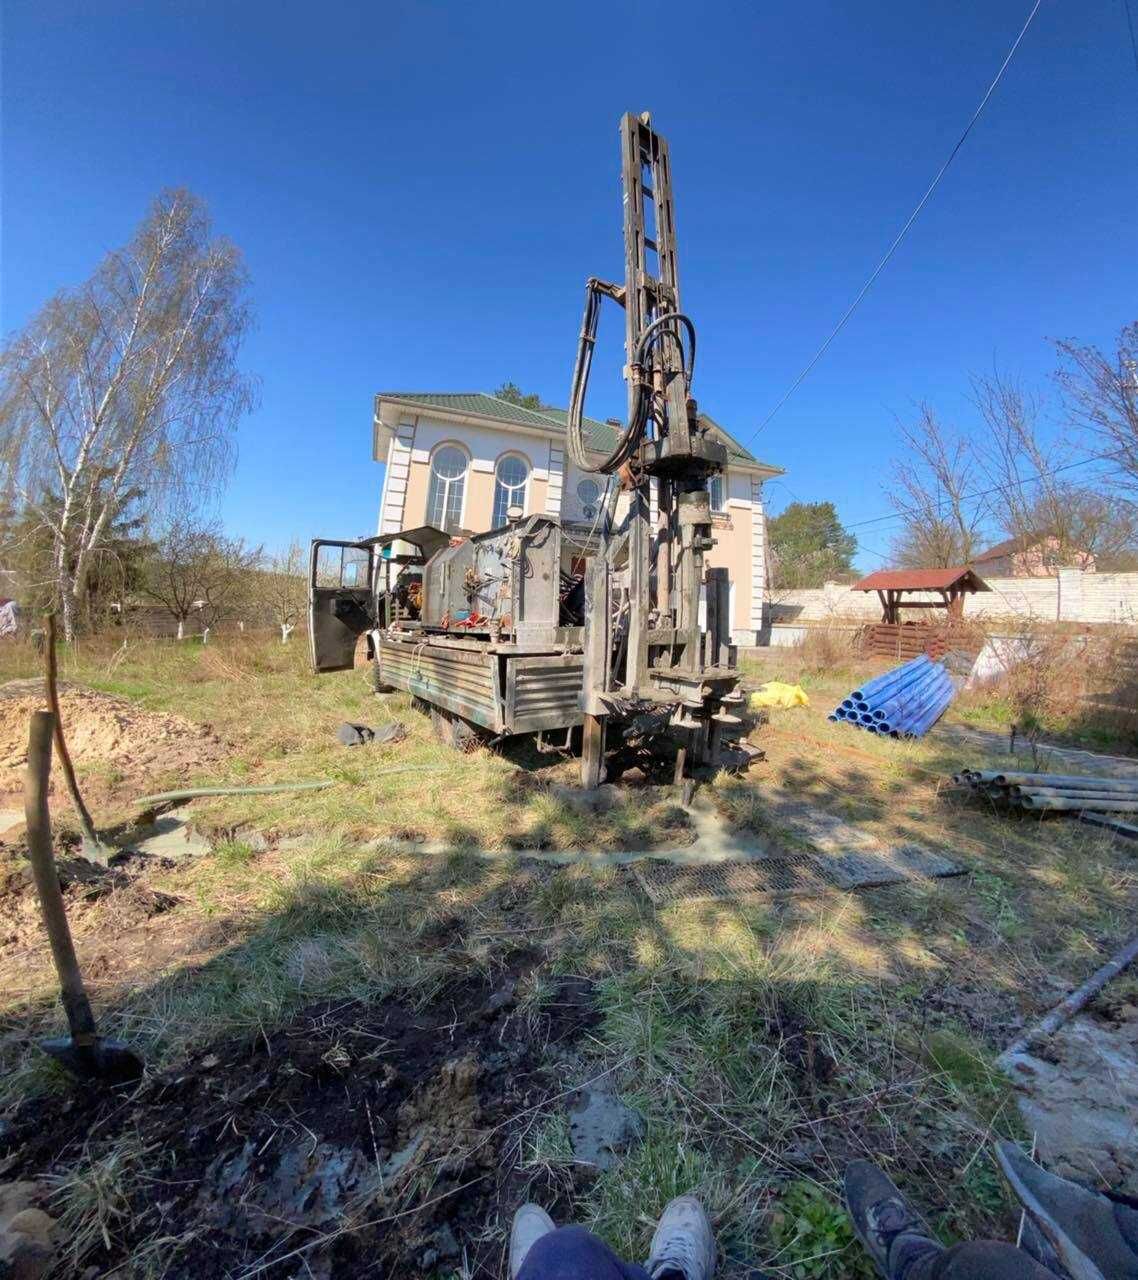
871	686
910	695
901	679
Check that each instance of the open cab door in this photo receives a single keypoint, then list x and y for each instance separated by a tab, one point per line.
340	601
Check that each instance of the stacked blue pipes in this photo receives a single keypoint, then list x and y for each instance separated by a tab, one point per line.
903	703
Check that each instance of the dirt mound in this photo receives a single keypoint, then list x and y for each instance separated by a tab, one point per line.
368	1139
131	744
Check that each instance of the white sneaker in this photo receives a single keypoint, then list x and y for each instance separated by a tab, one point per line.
683	1242
531	1222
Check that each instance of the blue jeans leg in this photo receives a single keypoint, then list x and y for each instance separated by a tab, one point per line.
572	1253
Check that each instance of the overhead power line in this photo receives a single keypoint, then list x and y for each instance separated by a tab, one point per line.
865	288
998	488
1133	39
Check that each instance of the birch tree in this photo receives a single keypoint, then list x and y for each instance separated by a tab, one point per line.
129	382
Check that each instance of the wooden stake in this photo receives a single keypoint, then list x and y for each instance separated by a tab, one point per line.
60	744
40	855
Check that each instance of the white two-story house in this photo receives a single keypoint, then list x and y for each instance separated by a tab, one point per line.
460	460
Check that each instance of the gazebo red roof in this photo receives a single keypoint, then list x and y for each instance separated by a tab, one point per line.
962	578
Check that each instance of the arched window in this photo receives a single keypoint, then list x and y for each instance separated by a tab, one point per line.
448	483
588	495
510	478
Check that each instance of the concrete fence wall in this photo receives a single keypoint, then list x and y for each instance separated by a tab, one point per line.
1073	596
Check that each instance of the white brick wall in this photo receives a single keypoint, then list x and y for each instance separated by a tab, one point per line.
758	555
395	478
556	481
1073	596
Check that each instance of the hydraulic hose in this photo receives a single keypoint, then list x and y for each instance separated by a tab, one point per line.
665	326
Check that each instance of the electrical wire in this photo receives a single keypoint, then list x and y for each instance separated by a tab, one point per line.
999	488
1133	38
865	288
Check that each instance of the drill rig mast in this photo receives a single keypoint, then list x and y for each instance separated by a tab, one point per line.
644	646
490	633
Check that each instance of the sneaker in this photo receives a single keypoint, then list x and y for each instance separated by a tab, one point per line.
1078	1232
531	1222
683	1246
880	1213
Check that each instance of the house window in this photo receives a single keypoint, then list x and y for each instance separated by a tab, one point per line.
715	492
448	484
510	478
588	495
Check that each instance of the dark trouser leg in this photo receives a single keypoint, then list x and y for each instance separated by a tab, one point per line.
912	1258
572	1253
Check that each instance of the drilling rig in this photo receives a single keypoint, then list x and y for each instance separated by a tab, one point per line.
495	638
644	647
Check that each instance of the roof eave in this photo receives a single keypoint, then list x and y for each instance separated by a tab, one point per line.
552	431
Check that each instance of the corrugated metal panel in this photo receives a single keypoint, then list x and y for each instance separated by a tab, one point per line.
543	693
459	680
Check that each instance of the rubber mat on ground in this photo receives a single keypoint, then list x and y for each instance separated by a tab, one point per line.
799	873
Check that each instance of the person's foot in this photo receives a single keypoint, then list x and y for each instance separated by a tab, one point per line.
683	1246
531	1222
880	1213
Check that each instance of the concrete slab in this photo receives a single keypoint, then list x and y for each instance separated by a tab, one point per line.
171	837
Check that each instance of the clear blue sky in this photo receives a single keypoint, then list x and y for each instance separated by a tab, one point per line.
421	190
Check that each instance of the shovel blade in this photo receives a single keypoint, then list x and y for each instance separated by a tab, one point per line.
108	1061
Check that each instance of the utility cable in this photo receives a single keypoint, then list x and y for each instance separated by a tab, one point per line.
865	288
999	488
1133	38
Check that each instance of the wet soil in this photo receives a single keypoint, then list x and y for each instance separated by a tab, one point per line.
365	1139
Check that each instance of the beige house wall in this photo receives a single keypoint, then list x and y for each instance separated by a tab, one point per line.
732	551
407	441
478	499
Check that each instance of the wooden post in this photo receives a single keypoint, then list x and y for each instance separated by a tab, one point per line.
682	759
593	752
75	1003
595	670
60	743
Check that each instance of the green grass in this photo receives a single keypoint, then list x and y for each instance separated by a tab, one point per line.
765	1043
813	1237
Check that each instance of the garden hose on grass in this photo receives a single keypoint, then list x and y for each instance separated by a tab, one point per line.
192	793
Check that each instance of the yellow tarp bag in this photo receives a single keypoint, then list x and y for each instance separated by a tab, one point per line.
776	694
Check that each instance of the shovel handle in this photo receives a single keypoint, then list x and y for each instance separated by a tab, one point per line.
72	993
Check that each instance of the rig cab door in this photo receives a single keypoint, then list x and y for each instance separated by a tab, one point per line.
340	601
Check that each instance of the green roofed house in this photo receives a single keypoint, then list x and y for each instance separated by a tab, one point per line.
460	460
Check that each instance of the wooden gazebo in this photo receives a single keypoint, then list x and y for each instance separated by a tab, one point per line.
894	638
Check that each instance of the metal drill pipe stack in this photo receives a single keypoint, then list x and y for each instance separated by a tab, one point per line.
1071	792
903	703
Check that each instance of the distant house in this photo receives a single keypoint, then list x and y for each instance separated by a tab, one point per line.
1039	557
460	461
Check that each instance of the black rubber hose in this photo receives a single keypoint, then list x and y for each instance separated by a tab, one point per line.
631	436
